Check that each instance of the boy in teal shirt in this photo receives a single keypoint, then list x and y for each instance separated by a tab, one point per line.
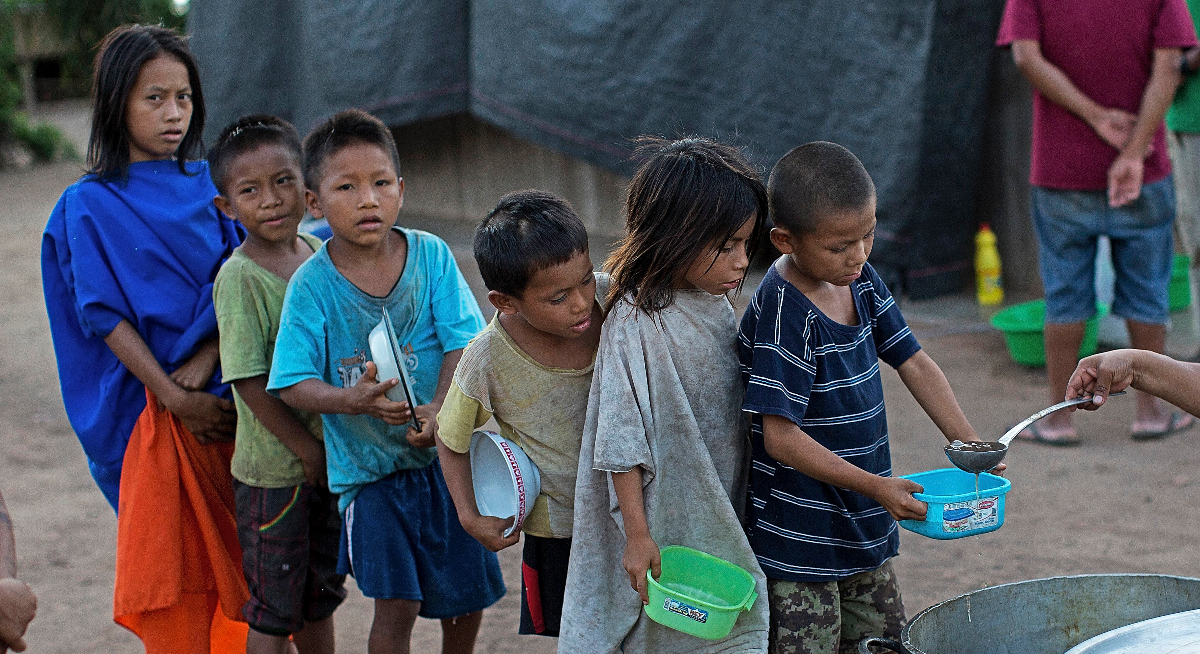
400	536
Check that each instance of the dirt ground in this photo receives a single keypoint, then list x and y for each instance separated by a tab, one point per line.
1111	505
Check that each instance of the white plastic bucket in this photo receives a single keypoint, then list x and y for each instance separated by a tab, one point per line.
506	482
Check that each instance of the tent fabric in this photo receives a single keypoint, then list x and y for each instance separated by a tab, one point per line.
902	84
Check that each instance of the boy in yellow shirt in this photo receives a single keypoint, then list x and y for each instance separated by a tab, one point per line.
531	369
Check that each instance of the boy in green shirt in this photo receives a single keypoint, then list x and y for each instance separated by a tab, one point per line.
531	369
288	523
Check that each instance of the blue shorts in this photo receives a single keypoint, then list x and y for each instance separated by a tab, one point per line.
1068	224
401	540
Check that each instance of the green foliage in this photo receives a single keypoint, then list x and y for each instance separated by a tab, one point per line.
87	21
45	141
10	86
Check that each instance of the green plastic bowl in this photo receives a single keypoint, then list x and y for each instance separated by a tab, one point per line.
698	593
1179	292
1022	325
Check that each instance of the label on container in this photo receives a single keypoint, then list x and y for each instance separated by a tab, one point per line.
686	610
973	514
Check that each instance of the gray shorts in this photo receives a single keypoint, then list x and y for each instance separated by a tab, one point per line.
830	617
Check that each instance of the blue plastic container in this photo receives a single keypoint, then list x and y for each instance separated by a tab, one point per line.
955	511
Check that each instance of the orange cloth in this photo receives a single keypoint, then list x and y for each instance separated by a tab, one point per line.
179	583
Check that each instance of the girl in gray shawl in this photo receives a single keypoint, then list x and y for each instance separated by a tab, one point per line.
664	452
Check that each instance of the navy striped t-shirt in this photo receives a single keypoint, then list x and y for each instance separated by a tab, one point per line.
824	376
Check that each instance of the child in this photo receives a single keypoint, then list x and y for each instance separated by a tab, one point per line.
821	486
128	260
288	522
664	444
531	369
400	537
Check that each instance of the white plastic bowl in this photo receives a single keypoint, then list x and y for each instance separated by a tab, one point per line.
385	352
506	482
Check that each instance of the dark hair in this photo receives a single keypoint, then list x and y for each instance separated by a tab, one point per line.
246	134
118	62
527	231
341	130
814	180
686	196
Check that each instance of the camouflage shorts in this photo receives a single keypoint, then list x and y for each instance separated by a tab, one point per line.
831	617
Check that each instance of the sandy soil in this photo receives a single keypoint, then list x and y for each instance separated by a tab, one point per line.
1111	505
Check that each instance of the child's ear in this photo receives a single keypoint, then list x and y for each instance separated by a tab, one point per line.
314	203
223	205
400	182
503	302
783	240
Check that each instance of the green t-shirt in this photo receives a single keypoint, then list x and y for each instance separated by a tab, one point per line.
1184	114
249	299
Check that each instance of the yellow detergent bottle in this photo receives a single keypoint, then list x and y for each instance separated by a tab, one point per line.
987	267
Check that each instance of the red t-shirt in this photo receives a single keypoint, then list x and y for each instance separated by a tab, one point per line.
1106	48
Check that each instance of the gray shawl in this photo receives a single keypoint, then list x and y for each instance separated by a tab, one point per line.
666	395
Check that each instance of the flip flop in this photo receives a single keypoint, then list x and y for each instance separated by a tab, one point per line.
1179	421
1033	434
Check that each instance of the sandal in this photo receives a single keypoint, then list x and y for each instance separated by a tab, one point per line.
1033	433
1179	421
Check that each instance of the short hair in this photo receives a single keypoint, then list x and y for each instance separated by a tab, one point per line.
246	134
339	131
814	180
687	195
526	232
117	65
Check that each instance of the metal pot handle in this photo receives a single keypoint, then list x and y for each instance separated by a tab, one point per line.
864	645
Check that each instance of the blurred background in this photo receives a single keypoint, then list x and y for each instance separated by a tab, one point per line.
487	97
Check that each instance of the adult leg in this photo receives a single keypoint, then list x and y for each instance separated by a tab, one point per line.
1067	224
391	630
458	634
316	637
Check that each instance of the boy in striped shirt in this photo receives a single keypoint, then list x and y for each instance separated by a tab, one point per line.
823	505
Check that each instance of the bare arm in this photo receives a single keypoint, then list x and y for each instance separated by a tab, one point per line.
18	605
488	530
641	552
284	425
1125	174
194	374
787	443
1177	382
208	417
929	387
1112	125
423	434
366	396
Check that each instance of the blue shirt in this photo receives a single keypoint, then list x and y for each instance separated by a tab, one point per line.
323	334
824	376
145	249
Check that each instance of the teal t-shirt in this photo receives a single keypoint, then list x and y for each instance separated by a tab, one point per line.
1184	114
323	334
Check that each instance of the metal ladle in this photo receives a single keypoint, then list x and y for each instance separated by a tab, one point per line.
981	456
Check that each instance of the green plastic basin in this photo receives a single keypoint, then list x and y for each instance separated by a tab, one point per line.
698	593
1022	325
1179	293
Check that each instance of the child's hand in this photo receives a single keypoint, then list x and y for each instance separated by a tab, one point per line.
18	605
313	460
209	418
367	396
895	494
641	554
194	374
426	417
489	531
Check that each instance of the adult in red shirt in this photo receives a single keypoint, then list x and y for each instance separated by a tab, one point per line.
1103	73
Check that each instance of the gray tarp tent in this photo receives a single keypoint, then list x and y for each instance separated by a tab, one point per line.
902	84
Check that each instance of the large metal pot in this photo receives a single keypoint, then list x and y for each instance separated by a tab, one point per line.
1040	616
